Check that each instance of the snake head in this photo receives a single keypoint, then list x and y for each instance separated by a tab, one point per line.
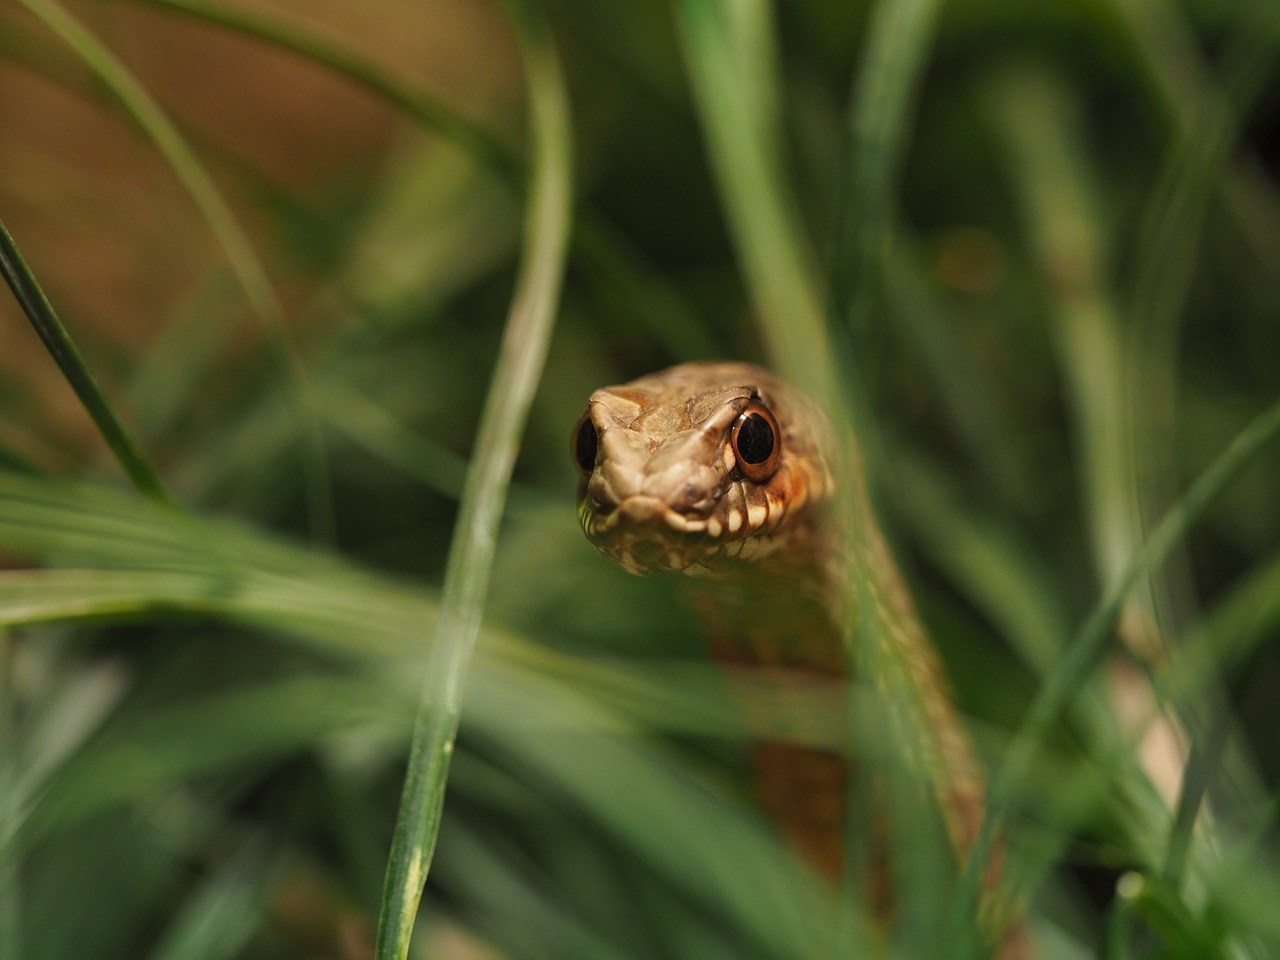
697	463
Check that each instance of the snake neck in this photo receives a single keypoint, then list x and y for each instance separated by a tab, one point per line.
773	619
780	612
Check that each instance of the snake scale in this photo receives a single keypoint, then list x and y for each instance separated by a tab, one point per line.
724	472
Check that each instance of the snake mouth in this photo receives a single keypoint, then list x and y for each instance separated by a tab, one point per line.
641	511
645	534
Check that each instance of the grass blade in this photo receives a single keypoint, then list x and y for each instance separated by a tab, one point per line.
26	290
627	283
222	913
429	111
734	87
471	553
245	266
892	64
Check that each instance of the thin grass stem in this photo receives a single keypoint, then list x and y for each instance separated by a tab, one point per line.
734	87
430	112
880	110
607	260
31	297
247	270
519	366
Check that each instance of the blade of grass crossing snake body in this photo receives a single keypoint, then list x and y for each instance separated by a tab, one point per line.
516	375
735	89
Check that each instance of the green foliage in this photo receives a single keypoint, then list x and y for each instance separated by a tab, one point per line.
1030	246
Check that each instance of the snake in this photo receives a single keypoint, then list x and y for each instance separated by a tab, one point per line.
726	474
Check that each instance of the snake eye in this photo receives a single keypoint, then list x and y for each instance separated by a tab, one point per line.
585	443
756	442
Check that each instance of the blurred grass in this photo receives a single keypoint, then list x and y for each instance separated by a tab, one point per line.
530	321
246	268
1056	230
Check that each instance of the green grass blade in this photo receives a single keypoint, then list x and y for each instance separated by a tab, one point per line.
27	291
1090	646
471	553
728	52
429	111
1231	637
892	63
353	414
622	278
245	266
734	89
1171	242
221	914
1051	170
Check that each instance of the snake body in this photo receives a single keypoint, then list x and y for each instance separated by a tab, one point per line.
724	472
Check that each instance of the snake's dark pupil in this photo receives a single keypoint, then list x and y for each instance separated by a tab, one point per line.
584	445
755	439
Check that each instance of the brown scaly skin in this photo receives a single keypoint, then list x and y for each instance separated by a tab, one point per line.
667	485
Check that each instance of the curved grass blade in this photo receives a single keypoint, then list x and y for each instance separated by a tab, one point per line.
618	273
728	51
222	913
245	266
892	64
429	111
27	291
735	88
470	562
1172	242
1089	648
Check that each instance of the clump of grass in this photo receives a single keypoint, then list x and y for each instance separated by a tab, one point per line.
1024	253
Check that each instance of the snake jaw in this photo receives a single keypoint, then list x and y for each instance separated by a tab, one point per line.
643	534
653	524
